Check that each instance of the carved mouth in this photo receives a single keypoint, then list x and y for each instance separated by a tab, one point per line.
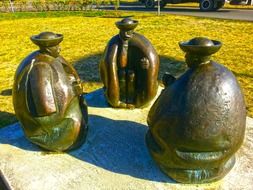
200	156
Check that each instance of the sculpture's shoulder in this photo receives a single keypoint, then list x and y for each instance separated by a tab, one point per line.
140	40
144	45
214	72
62	60
33	63
140	37
219	68
112	44
33	59
111	48
25	62
41	64
114	40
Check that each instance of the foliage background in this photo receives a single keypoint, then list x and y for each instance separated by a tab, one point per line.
49	5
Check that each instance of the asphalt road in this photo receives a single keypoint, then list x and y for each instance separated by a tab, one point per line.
235	14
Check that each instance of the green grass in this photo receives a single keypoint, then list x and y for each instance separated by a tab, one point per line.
85	39
52	14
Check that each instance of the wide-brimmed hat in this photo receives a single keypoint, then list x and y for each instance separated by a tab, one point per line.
200	46
126	24
47	39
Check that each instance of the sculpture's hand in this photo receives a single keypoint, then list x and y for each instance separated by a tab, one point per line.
145	63
122	105
78	87
130	106
130	75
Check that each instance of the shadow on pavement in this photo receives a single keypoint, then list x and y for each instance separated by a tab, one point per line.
119	146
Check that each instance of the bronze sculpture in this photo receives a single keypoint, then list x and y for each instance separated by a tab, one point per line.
129	68
198	122
47	97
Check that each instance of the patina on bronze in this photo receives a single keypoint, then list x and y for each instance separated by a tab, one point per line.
129	68
47	97
198	122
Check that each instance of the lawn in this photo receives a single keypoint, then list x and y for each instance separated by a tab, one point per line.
85	39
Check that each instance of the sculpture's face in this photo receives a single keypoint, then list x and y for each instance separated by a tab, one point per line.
126	35
54	51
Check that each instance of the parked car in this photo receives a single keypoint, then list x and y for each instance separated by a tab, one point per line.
240	2
204	5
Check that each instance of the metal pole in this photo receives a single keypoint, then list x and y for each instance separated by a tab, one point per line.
118	3
158	8
12	8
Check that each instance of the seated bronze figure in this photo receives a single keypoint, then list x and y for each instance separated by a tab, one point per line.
47	97
198	122
129	68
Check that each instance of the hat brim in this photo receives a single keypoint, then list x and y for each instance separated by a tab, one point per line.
126	26
47	42
200	50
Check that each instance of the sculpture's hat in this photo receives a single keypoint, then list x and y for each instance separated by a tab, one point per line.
47	39
126	24
200	46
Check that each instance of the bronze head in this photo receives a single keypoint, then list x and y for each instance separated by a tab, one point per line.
126	26
198	50
48	43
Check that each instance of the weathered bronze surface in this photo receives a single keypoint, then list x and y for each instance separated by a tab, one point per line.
129	68
47	97
198	122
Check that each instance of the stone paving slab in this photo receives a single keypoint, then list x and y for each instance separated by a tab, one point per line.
114	157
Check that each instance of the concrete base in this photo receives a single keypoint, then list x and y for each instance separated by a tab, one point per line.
114	157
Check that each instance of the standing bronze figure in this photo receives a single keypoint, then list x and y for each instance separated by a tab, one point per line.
129	68
198	122
47	97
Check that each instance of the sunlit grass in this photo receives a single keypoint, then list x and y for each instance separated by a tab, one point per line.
85	39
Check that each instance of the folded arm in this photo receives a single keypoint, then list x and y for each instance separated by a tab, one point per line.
42	92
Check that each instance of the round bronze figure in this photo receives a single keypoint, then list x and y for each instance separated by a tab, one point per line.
129	68
198	122
47	97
